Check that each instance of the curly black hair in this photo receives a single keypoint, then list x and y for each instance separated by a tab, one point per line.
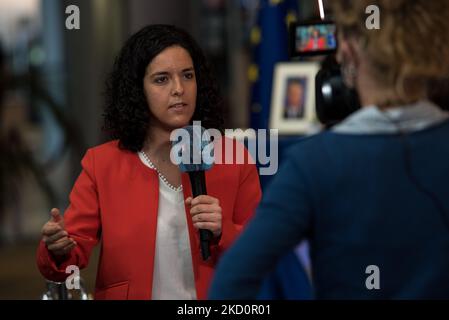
127	116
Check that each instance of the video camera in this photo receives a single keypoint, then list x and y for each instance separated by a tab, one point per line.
334	100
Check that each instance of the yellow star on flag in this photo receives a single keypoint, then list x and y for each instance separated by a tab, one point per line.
253	73
255	36
290	18
275	2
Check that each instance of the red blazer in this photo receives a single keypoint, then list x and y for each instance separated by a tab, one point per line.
115	201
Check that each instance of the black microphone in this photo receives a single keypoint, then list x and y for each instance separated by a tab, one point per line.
195	152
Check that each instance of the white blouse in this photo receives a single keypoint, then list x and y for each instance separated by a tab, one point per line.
173	277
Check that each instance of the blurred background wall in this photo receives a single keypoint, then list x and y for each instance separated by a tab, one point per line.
51	101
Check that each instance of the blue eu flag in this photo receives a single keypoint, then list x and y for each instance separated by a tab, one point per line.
269	38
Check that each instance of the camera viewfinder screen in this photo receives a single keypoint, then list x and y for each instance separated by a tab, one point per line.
315	39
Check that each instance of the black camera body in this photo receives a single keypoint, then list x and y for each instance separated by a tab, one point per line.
334	100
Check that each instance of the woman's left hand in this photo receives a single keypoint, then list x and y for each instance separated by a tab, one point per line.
206	213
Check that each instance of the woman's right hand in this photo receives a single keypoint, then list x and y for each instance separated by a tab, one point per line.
54	236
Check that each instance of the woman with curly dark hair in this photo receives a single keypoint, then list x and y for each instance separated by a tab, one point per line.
133	199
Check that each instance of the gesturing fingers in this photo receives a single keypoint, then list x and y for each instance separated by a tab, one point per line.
51	228
55	237
65	249
55	215
60	244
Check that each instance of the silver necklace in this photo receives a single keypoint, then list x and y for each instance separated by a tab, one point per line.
161	176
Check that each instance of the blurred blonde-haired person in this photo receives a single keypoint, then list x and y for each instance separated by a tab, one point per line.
372	194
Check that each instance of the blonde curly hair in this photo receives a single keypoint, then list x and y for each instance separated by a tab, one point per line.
410	49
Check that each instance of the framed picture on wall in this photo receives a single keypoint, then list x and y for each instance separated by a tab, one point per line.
293	98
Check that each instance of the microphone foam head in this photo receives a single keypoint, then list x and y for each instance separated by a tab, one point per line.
192	149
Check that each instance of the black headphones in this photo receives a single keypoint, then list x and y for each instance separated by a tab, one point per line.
334	100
